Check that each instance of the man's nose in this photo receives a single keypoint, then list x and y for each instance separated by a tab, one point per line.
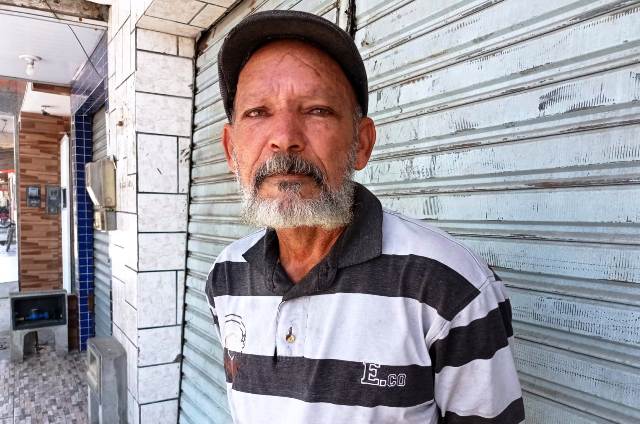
286	134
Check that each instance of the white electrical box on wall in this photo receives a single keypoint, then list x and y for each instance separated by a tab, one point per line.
101	186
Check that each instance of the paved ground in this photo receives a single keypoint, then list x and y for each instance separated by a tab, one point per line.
45	388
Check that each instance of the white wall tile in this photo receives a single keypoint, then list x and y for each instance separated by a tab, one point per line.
208	16
123	273
117	45
138	7
186	47
181	11
159	412
157	41
180	296
132	367
123	117
112	144
133	410
132	50
184	156
162	212
158	167
124	10
111	63
225	3
170	27
117	302
130	321
156	299
159	382
111	91
159	345
126	49
125	188
113	21
119	336
129	128
161	251
163	115
163	74
126	237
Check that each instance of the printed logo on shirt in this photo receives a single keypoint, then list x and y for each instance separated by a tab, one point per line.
375	375
235	336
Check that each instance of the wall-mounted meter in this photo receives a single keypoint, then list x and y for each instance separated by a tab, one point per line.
33	196
53	200
101	186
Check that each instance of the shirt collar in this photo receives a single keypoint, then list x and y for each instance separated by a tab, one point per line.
360	242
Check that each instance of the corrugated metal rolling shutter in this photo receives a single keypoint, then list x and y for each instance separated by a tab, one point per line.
101	261
213	222
515	126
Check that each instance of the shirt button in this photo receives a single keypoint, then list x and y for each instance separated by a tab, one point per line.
290	338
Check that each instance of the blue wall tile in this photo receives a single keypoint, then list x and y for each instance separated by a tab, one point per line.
88	95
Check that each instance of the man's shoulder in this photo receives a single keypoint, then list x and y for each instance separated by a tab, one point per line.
402	235
234	251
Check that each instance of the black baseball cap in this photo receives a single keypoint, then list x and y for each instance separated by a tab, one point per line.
258	29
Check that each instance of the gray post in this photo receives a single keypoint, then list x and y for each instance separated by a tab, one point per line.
107	378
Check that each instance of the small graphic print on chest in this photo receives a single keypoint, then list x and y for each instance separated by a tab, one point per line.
377	375
235	336
235	333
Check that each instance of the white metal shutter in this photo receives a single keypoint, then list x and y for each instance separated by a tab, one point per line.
515	126
101	260
213	221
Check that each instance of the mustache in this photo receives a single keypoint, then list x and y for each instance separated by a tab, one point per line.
288	164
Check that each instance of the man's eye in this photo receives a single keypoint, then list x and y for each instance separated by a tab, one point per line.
254	113
320	111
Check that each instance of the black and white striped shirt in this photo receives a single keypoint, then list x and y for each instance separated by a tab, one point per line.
399	323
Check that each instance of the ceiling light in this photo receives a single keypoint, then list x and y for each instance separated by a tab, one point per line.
31	61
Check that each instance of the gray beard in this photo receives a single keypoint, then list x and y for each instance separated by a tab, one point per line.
331	209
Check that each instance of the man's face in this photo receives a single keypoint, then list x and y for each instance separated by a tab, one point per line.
294	140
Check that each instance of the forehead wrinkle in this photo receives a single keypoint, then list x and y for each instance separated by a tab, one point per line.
324	61
301	60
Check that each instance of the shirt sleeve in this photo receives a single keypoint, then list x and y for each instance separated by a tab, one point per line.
475	374
209	292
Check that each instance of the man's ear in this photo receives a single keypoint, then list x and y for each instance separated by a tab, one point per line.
366	141
227	144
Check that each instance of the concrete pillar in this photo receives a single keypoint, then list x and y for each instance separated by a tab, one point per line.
150	115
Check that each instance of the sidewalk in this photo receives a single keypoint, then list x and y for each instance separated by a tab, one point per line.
45	388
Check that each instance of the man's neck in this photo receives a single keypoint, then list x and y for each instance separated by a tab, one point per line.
302	248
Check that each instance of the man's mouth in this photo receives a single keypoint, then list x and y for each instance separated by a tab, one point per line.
288	176
288	168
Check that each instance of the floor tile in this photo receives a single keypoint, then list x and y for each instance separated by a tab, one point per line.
45	388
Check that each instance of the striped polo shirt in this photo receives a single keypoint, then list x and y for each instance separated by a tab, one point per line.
399	323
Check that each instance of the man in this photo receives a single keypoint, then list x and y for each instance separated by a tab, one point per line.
338	311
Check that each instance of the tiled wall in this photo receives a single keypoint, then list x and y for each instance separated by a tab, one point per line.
150	113
39	233
88	95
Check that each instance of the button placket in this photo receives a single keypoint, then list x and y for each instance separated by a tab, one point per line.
290	327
